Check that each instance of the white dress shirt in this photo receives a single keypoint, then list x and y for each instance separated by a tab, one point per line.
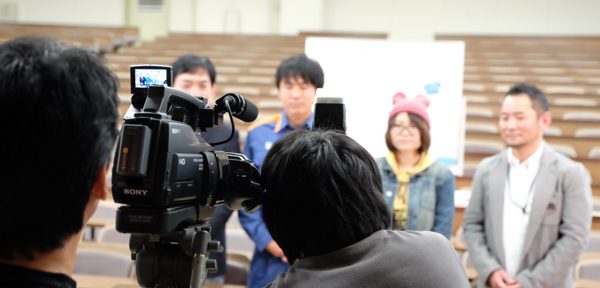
518	195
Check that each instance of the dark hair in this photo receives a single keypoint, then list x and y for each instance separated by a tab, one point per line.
421	125
538	99
189	63
59	110
300	66
323	193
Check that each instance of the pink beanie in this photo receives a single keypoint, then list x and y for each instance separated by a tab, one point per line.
417	105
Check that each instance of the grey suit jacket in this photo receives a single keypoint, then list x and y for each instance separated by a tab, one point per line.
558	227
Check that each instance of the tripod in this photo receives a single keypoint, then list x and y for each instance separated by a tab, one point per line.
167	261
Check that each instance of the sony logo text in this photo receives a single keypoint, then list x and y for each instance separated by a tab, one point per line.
140	192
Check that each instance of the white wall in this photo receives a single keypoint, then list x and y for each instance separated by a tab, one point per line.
182	16
421	20
300	15
151	23
80	12
216	16
408	67
401	19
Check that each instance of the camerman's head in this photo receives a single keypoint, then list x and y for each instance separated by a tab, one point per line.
195	75
323	193
58	107
297	80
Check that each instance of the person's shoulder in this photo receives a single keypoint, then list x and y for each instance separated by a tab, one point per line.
418	243
491	162
562	160
438	167
564	163
417	238
265	123
16	276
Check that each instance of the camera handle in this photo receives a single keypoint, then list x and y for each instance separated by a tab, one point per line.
177	260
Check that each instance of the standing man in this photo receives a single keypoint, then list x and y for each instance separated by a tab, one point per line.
58	110
297	80
196	75
529	215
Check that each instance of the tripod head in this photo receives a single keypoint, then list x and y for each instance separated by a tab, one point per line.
167	261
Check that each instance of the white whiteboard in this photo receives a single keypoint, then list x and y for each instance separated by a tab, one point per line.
367	73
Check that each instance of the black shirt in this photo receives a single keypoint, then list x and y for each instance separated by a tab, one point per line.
14	276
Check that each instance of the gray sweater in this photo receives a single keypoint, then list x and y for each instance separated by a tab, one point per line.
385	259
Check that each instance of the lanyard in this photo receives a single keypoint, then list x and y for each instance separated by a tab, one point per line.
529	197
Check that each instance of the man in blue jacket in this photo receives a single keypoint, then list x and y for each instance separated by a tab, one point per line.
297	79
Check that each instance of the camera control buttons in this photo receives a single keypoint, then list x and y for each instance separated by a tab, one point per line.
185	166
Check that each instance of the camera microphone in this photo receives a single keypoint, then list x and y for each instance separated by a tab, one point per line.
330	114
240	107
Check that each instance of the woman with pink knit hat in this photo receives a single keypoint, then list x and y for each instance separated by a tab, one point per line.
418	189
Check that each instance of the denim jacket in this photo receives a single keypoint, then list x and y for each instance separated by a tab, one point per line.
430	198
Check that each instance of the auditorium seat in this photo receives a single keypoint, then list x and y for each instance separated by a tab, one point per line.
569	101
460	246
588	269
582	116
480	112
504	70
102	262
552	131
593	245
476	99
508	78
565	90
237	239
594	153
105	214
471	127
270	104
548	71
565	149
109	234
473	87
238	267
483	147
556	79
106	209
469	168
502	88
587	132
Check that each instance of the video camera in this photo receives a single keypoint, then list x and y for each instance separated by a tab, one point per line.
169	177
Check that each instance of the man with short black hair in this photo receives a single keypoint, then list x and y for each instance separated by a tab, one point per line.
324	206
196	75
529	214
58	111
297	79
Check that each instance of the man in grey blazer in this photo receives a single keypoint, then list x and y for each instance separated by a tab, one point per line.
529	214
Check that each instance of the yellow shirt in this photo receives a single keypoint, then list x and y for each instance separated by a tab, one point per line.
400	206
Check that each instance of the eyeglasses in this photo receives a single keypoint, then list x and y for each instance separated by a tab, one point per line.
411	129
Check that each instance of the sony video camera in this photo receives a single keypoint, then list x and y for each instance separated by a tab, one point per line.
169	177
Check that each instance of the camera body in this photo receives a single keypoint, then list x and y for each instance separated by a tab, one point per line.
169	178
164	172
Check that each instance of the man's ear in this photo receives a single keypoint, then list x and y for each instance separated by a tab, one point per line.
101	185
546	119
